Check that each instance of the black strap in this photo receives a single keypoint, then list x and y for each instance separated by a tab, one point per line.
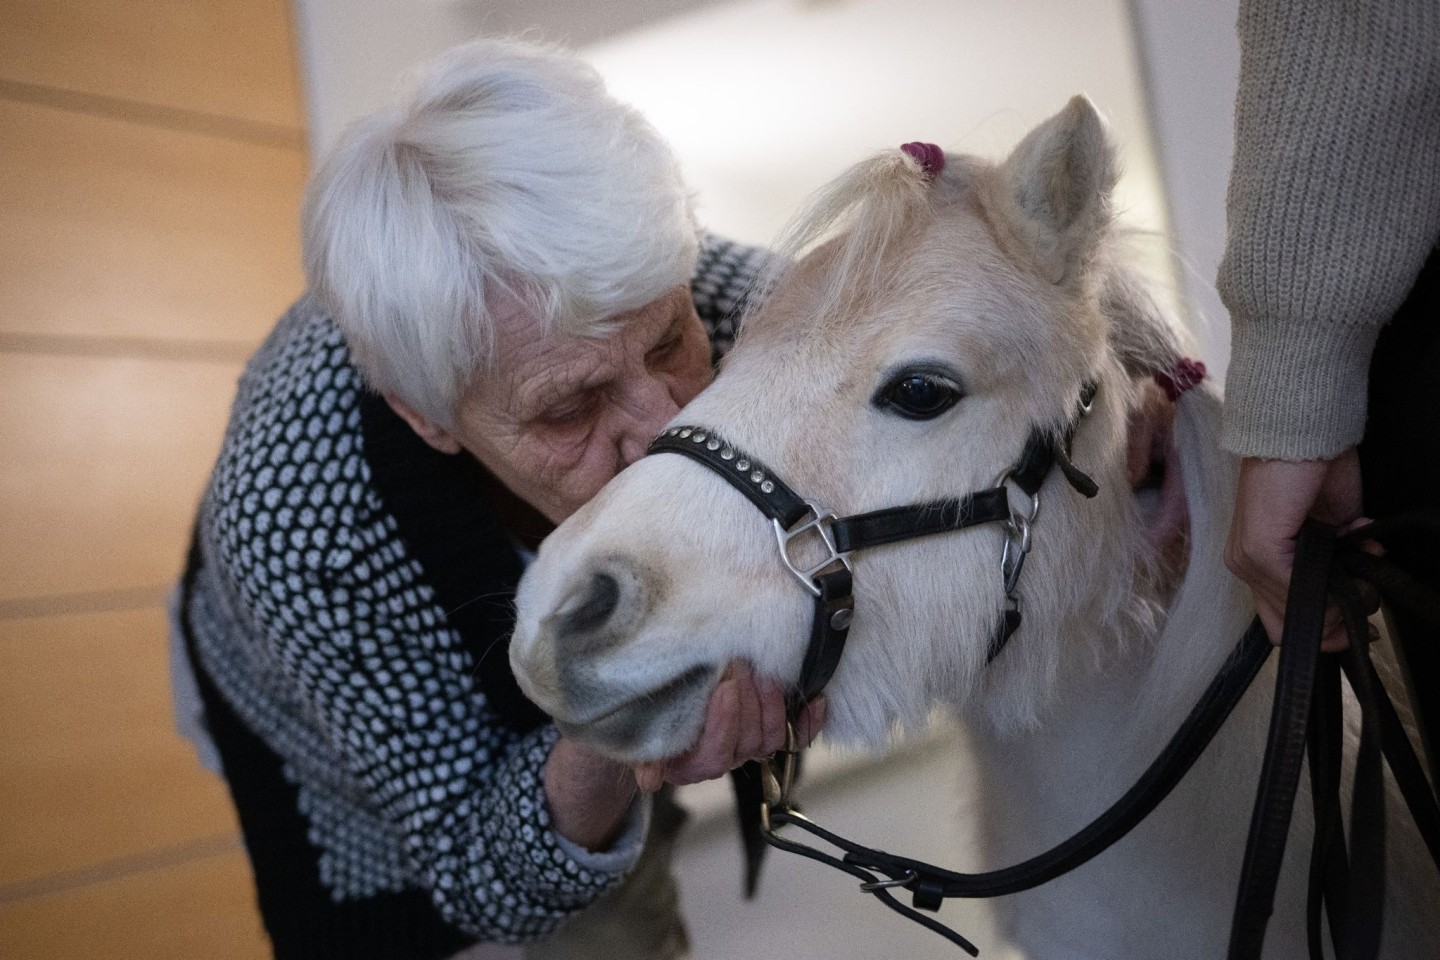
906	523
1347	885
1347	881
930	885
1285	747
1050	447
749	793
829	628
743	472
834	601
1190	740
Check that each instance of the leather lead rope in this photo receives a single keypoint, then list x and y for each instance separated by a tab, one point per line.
1285	745
1346	882
930	885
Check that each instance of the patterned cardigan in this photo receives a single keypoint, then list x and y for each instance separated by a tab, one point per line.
347	604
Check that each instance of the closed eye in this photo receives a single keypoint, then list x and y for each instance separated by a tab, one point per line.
569	412
662	352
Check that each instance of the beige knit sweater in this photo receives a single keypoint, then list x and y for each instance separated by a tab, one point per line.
1334	206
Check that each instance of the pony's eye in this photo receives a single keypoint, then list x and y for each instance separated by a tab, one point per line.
918	395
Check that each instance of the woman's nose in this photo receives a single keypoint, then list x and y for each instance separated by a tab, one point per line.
651	407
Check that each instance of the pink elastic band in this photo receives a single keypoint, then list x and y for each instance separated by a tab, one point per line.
1182	375
930	157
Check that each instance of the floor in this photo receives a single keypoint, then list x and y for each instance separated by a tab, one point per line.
151	165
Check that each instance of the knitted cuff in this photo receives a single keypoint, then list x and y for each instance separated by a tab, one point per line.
1296	394
624	851
540	872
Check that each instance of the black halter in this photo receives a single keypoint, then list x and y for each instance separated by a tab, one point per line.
830	580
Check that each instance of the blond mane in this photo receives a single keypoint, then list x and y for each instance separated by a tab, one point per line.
858	220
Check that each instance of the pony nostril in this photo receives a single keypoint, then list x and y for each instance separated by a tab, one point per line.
595	606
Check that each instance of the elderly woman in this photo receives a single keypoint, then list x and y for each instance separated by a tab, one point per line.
508	298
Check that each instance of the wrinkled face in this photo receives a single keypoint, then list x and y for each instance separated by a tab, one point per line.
559	416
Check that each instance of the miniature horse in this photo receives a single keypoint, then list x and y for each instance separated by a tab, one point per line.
943	309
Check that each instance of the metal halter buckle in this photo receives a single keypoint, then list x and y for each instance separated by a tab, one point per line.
1017	536
910	877
820	521
778	785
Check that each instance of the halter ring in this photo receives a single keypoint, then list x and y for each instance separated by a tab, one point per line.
1017	536
1015	515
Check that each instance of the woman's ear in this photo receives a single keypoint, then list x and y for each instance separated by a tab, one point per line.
427	429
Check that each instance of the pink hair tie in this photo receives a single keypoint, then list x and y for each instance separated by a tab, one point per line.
930	157
1182	375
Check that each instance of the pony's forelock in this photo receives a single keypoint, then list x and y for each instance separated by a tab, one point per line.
857	219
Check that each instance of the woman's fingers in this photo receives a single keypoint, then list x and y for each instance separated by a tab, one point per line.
812	720
745	719
750	732
772	717
650	777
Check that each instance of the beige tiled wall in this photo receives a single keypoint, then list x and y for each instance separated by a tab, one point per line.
151	164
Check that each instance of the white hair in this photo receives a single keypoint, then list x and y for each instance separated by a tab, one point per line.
507	166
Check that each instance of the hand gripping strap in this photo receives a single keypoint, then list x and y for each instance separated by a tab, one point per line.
1285	748
1347	879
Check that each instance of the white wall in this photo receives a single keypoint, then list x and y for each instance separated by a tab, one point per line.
765	100
1192	63
352	51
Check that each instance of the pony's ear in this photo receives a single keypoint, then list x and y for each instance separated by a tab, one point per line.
1054	190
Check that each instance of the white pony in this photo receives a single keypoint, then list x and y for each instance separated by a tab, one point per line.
998	287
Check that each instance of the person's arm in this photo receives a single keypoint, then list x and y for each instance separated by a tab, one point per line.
1334	204
1333	207
387	687
508	833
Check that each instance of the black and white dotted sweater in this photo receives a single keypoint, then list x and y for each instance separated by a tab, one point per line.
348	604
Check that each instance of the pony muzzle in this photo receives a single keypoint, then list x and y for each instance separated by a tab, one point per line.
580	661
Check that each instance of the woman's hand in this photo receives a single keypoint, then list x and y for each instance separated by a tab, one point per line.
589	794
745	720
1273	500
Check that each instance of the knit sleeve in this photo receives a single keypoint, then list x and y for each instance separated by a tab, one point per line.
1333	207
727	276
342	660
